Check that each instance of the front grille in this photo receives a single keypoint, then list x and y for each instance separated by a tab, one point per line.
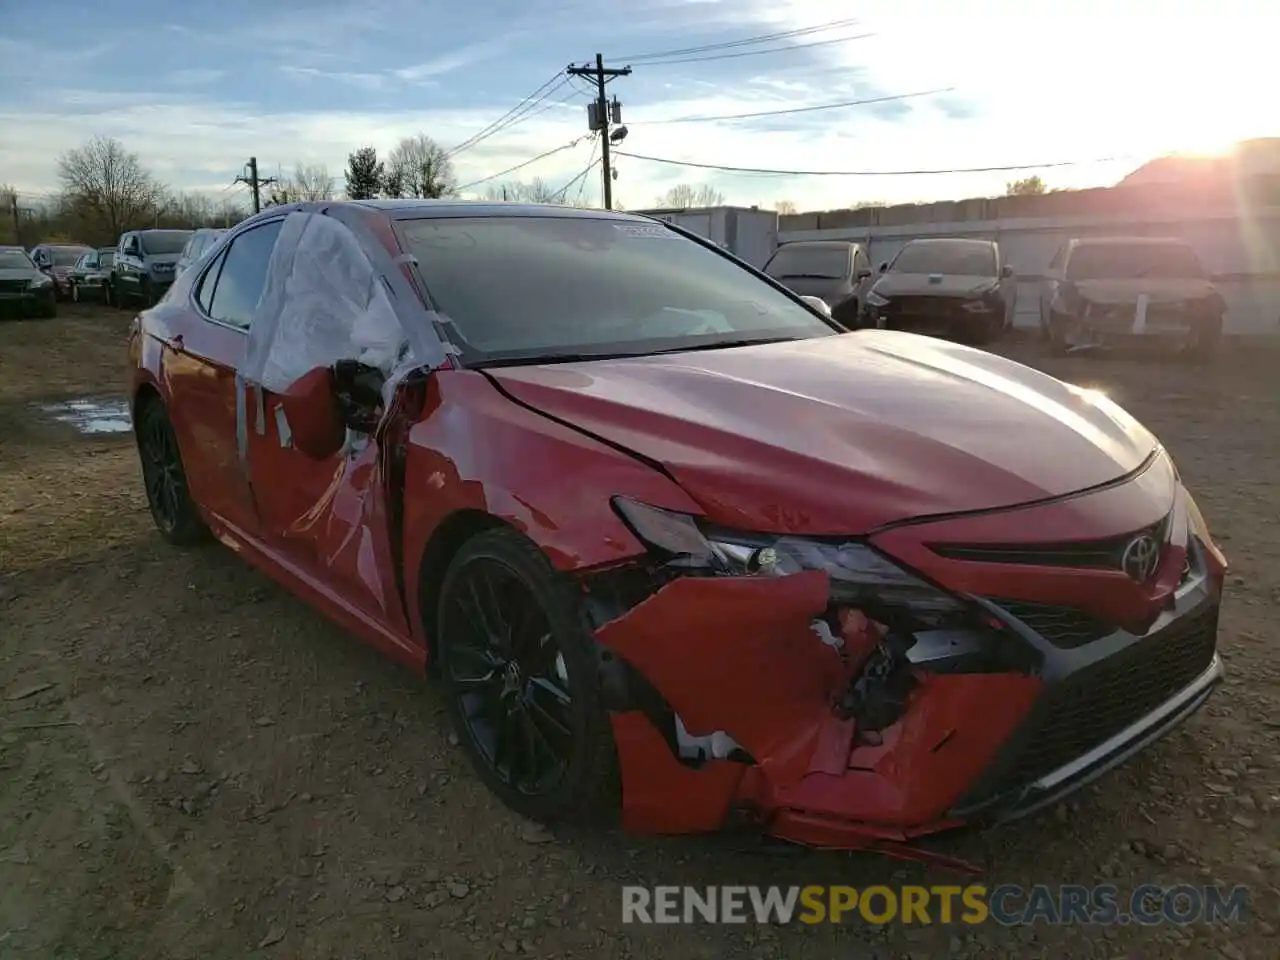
13	286
1105	554
1080	712
1064	627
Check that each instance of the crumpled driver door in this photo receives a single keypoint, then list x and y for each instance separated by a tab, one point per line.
326	519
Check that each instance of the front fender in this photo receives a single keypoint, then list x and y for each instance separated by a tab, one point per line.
473	449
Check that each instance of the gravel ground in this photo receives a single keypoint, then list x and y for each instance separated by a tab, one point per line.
193	764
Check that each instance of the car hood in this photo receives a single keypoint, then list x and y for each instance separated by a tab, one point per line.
18	273
1157	290
948	285
843	434
826	289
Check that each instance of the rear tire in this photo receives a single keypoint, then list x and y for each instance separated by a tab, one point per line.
165	478
501	584
1204	348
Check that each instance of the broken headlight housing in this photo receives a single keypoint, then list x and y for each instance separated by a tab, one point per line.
860	575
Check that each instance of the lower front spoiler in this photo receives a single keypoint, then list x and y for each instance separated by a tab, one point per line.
1106	756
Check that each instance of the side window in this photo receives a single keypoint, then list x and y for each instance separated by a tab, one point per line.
204	295
861	261
243	274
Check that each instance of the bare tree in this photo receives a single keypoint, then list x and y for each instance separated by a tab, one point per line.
109	184
684	195
312	182
785	207
422	166
536	190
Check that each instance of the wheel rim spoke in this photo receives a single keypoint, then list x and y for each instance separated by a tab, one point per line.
508	677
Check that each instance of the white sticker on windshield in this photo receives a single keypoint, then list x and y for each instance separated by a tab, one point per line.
646	231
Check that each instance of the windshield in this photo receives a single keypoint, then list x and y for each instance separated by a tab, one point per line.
825	263
164	241
15	260
966	258
106	258
66	256
540	288
1132	261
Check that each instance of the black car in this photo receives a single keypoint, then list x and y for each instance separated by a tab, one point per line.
88	277
24	289
946	286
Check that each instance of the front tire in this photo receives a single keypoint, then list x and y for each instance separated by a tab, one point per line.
522	671
168	495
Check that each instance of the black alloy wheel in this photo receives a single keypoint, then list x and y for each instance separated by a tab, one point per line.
522	680
168	496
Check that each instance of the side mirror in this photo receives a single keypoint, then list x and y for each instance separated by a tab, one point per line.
884	266
1006	271
315	420
817	303
863	273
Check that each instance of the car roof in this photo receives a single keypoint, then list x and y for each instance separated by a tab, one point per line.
1128	241
820	244
411	209
982	240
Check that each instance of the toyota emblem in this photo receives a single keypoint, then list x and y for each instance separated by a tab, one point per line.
1140	558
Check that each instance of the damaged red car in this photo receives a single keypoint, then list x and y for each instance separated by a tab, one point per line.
683	552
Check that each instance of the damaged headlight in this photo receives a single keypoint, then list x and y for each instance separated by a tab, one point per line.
860	575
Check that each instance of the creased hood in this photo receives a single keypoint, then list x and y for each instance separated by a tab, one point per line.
1157	289
842	434
918	284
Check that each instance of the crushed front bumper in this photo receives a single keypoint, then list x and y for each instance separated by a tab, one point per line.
738	658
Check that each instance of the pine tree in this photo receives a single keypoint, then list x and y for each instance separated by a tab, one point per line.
364	174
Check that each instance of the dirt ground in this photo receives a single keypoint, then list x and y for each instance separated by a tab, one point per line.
193	764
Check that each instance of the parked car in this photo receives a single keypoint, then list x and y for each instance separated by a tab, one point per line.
88	278
144	266
1101	292
946	286
198	243
56	260
25	290
678	546
835	271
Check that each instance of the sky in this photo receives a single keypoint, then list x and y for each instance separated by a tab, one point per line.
195	90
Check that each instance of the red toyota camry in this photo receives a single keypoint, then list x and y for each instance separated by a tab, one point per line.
683	551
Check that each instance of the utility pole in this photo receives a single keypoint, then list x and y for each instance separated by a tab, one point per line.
599	116
17	218
255	183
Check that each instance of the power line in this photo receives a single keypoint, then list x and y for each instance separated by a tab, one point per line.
580	176
516	114
756	53
521	166
747	41
865	173
583	185
791	110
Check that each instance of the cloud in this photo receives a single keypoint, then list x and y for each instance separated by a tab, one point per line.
454	60
312	85
195	76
